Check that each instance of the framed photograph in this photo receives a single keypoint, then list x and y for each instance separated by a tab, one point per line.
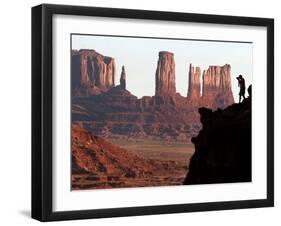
145	112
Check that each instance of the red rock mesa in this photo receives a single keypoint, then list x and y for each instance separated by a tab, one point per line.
217	92
92	73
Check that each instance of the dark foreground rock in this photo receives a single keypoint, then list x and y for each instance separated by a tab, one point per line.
223	146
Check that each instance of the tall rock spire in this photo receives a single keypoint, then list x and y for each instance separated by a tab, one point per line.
123	78
217	91
194	85
165	75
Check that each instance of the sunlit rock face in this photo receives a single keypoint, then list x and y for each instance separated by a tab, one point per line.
165	84
217	92
92	73
194	84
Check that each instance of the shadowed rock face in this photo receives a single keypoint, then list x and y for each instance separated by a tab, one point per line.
123	78
223	146
165	75
217	92
194	84
92	73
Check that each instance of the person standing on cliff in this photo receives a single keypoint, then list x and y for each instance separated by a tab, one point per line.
241	84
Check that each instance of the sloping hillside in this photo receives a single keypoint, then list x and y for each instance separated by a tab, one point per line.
97	163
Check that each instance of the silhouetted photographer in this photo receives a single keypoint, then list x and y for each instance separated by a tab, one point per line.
241	84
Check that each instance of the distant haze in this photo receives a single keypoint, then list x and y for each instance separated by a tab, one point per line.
140	56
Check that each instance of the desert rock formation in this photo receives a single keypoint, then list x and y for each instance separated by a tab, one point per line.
165	75
92	73
217	92
109	110
123	78
194	85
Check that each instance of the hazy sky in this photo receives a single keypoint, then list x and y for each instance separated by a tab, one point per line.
140	55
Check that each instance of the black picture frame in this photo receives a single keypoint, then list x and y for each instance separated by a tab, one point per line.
42	107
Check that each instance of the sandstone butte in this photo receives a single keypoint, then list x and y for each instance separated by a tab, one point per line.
92	73
217	92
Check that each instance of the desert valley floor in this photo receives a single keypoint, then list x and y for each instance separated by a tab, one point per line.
158	149
127	163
